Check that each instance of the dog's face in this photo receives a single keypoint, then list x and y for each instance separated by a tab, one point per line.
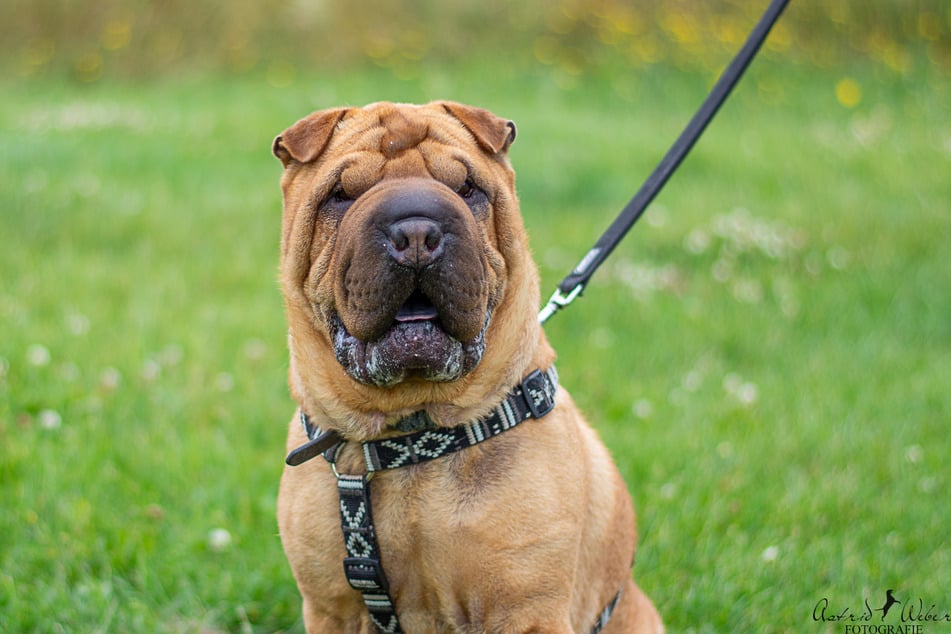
401	238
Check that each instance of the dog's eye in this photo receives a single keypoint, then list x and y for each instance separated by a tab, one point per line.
338	196
474	197
337	201
469	191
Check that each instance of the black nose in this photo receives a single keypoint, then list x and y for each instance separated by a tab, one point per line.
415	242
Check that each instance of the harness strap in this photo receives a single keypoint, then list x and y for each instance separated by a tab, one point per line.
362	565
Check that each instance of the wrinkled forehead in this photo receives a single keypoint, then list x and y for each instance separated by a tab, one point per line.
393	129
384	141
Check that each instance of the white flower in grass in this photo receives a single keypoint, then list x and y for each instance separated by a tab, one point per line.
743	391
151	370
219	539
927	485
748	291
110	378
697	242
813	263
732	382
722	270
224	382
77	323
668	491
255	349
49	419
838	258
69	372
692	381
747	394
657	216
643	408
38	355
914	454
894	539
770	554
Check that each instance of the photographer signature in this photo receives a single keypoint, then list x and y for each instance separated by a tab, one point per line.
911	611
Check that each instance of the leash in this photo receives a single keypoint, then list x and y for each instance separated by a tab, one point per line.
573	285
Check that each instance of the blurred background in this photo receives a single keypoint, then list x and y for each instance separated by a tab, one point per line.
766	355
88	41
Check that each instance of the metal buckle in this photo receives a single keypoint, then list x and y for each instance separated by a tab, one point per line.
364	573
538	395
557	301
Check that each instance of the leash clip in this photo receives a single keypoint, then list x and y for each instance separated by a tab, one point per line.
558	300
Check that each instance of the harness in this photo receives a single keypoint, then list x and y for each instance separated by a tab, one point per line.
534	397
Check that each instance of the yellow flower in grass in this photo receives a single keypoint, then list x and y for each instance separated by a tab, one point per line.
848	92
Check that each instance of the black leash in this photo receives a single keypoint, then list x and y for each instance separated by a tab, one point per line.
572	286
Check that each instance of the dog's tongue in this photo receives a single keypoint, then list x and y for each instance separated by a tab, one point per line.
416	308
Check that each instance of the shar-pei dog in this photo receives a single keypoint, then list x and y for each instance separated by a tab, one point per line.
424	379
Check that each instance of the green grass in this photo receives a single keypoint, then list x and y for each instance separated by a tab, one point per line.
767	355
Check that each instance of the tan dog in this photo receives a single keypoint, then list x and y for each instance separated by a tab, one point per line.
409	287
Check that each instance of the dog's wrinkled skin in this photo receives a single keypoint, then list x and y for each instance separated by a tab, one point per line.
409	286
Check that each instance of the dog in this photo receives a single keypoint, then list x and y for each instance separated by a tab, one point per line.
411	300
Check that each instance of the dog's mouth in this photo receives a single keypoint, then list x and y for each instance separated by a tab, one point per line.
416	346
417	308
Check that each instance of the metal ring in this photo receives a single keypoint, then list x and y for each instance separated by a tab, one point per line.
333	467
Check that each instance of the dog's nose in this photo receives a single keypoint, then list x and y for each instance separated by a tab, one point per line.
415	242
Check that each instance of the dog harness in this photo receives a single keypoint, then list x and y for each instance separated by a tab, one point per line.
534	397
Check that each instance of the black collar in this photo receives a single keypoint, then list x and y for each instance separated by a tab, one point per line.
532	398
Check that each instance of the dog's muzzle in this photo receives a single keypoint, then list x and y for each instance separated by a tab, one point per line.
410	294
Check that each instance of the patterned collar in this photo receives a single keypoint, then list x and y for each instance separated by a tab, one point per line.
532	398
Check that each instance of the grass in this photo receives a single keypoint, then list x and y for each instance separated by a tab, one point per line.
766	355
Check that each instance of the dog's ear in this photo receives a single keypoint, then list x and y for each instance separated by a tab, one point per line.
493	133
305	140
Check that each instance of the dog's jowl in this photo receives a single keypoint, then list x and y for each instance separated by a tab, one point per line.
461	490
